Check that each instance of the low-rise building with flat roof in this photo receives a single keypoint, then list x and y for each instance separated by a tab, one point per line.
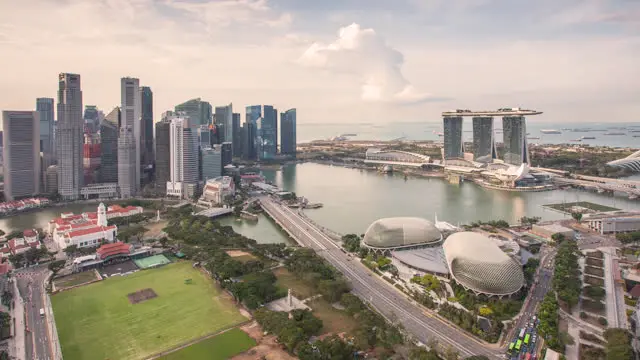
616	222
548	230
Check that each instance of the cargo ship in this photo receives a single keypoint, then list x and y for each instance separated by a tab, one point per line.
551	131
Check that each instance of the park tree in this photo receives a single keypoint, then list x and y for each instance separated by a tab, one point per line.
577	216
351	242
618	345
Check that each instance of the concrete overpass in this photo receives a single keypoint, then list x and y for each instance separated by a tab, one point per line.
381	295
629	187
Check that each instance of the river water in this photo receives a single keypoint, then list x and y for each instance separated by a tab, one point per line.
354	198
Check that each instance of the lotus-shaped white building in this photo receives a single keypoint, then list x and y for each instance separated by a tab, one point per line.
478	264
401	233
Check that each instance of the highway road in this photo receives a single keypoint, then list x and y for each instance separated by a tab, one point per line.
31	287
372	289
539	289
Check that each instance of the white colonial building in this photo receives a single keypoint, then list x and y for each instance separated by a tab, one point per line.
89	229
217	189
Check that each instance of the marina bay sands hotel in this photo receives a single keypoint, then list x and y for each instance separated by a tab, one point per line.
484	146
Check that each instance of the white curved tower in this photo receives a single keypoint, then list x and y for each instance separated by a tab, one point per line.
102	215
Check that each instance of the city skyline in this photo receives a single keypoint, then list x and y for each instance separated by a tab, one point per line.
338	57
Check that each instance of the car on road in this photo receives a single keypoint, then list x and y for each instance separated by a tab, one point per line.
41	312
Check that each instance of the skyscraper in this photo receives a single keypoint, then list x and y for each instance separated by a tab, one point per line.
268	132
69	136
146	97
251	137
115	117
183	159
131	109
91	118
198	111
127	162
484	146
91	157
44	107
21	151
453	145
211	162
205	136
224	122
227	153
516	151
288	132
237	135
163	151
109	148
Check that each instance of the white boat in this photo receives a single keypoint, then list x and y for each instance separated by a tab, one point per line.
552	131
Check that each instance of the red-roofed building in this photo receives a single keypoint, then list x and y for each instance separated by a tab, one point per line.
114	249
5	267
5	251
21	245
86	230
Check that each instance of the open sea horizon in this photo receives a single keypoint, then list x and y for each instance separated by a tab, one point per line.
429	131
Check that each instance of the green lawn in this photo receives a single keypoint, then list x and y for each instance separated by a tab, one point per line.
220	347
98	322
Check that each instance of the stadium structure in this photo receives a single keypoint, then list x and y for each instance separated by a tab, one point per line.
390	234
480	264
631	162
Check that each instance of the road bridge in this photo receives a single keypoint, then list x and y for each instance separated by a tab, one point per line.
374	290
622	187
215	212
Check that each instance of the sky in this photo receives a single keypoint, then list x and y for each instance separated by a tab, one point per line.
351	61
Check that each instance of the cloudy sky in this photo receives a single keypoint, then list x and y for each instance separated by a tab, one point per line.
334	60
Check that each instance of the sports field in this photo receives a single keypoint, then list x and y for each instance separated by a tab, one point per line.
99	321
151	261
219	347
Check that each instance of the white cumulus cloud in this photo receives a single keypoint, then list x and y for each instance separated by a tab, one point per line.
364	53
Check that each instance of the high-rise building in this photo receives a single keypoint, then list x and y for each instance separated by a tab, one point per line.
224	122
288	139
51	180
516	151
268	132
484	145
21	151
91	118
91	157
69	136
183	160
198	111
44	107
131	109
109	148
211	162
146	98
453	145
127	162
227	153
237	135
251	139
205	136
115	117
163	151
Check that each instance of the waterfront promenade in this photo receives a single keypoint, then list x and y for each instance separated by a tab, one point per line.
382	296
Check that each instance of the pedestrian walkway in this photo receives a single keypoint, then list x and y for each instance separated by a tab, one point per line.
19	351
